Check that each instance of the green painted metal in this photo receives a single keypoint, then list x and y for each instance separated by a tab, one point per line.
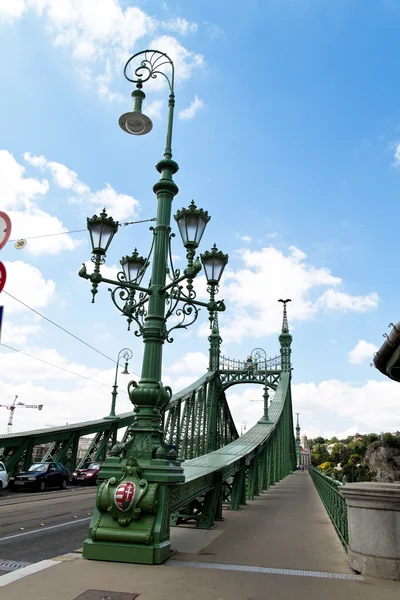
17	448
334	502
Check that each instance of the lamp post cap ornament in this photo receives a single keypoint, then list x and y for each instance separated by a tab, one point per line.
215	253
192	210
103	218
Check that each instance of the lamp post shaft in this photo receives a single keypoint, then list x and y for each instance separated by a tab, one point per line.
114	392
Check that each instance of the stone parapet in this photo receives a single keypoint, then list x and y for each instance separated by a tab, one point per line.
374	528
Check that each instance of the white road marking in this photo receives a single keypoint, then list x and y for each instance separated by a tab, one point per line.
15	535
21	573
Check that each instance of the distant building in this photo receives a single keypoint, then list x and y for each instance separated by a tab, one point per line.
305	457
330	448
304	443
38	452
83	446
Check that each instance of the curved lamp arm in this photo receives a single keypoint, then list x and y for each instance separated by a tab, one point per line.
149	68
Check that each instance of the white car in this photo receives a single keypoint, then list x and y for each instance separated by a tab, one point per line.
3	476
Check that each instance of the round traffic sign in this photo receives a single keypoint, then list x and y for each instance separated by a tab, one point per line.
3	276
5	228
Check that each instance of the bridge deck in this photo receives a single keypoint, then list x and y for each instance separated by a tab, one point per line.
281	546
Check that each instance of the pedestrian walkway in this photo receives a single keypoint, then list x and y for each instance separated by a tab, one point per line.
281	546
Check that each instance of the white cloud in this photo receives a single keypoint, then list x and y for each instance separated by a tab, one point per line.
179	25
268	274
245	238
65	397
371	407
396	162
184	60
273	234
153	110
120	206
24	281
192	109
35	222
63	177
214	32
17	190
101	34
107	271
362	351
335	300
192	362
11	9
16	334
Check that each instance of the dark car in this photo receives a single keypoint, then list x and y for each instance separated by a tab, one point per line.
40	476
88	474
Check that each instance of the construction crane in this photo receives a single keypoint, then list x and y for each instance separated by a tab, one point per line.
13	406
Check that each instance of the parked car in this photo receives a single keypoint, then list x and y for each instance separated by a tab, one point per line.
88	474
40	476
3	476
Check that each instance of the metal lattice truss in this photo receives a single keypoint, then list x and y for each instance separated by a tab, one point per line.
239	471
269	378
61	444
198	419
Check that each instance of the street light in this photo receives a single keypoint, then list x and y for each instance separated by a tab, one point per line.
257	356
136	530
126	354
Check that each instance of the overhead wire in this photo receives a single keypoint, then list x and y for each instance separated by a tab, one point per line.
63	329
35	237
56	366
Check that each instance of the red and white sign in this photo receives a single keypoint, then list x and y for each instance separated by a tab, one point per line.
5	228
124	495
3	276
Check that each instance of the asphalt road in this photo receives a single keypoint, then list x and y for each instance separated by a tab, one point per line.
36	526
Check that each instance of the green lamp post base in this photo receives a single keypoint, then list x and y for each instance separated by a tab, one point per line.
154	554
131	519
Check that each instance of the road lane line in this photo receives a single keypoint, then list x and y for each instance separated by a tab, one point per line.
15	535
21	573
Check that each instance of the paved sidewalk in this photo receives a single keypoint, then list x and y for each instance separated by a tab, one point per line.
281	546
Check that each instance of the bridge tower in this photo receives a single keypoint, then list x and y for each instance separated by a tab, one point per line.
298	457
285	339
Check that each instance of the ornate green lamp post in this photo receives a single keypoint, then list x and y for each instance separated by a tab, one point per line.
125	354
214	263
131	520
258	361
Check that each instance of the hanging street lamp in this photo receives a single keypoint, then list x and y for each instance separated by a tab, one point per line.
131	520
125	354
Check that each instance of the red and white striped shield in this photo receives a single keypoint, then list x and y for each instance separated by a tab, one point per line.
124	495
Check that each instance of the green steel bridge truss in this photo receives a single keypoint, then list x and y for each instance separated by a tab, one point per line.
219	466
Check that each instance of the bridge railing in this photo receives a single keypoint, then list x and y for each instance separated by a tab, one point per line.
334	502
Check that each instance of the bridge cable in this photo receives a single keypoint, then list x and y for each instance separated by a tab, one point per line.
56	366
63	329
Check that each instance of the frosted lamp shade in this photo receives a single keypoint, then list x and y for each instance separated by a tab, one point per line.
132	266
214	269
101	234
135	123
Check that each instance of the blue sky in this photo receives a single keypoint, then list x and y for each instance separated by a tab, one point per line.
287	132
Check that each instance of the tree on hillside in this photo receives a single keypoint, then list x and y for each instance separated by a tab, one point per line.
339	453
319	440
